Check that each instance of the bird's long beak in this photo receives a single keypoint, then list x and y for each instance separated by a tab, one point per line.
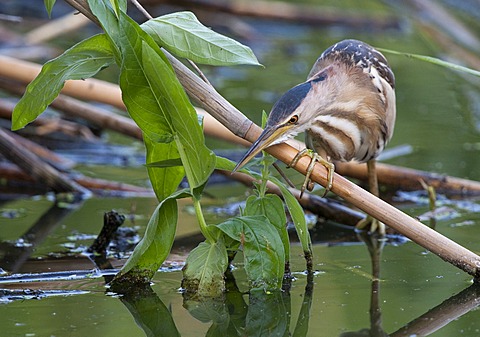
268	136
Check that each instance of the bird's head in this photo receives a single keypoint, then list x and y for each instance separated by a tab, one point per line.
292	113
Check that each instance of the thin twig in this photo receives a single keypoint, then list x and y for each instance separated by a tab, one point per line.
283	175
82	7
199	72
141	9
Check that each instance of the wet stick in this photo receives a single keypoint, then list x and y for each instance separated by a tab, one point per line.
34	166
410	179
100	187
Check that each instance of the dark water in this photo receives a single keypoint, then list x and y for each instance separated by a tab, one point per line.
438	116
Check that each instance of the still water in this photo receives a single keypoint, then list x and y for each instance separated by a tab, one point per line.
438	116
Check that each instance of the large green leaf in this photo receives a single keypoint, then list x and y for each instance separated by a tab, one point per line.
154	97
83	60
118	5
183	35
272	207
164	180
144	103
197	159
262	249
156	244
204	269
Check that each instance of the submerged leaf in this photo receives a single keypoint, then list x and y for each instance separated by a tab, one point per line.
183	35
82	61
262	249
204	269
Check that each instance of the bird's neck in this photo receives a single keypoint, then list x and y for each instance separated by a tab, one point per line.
345	90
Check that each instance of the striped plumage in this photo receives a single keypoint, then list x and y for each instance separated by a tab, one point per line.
346	107
359	121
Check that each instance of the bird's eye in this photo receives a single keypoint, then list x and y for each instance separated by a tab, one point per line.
293	119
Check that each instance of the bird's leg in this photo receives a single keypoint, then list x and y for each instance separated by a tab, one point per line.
315	157
375	225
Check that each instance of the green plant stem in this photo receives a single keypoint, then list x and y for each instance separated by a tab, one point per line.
201	220
262	187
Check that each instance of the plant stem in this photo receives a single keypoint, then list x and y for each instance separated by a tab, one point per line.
201	220
262	187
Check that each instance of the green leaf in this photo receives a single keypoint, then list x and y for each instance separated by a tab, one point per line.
197	159
166	162
164	179
262	249
49	6
298	217
271	206
144	102
157	102
183	35
434	60
294	207
204	269
153	249
119	5
83	60
225	164
106	16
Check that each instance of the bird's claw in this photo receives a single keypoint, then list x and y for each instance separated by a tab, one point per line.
374	224
315	157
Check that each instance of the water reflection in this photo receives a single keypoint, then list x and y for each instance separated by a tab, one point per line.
15	254
260	313
265	314
256	313
149	312
440	316
236	314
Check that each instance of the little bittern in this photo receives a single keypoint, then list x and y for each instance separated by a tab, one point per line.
346	107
